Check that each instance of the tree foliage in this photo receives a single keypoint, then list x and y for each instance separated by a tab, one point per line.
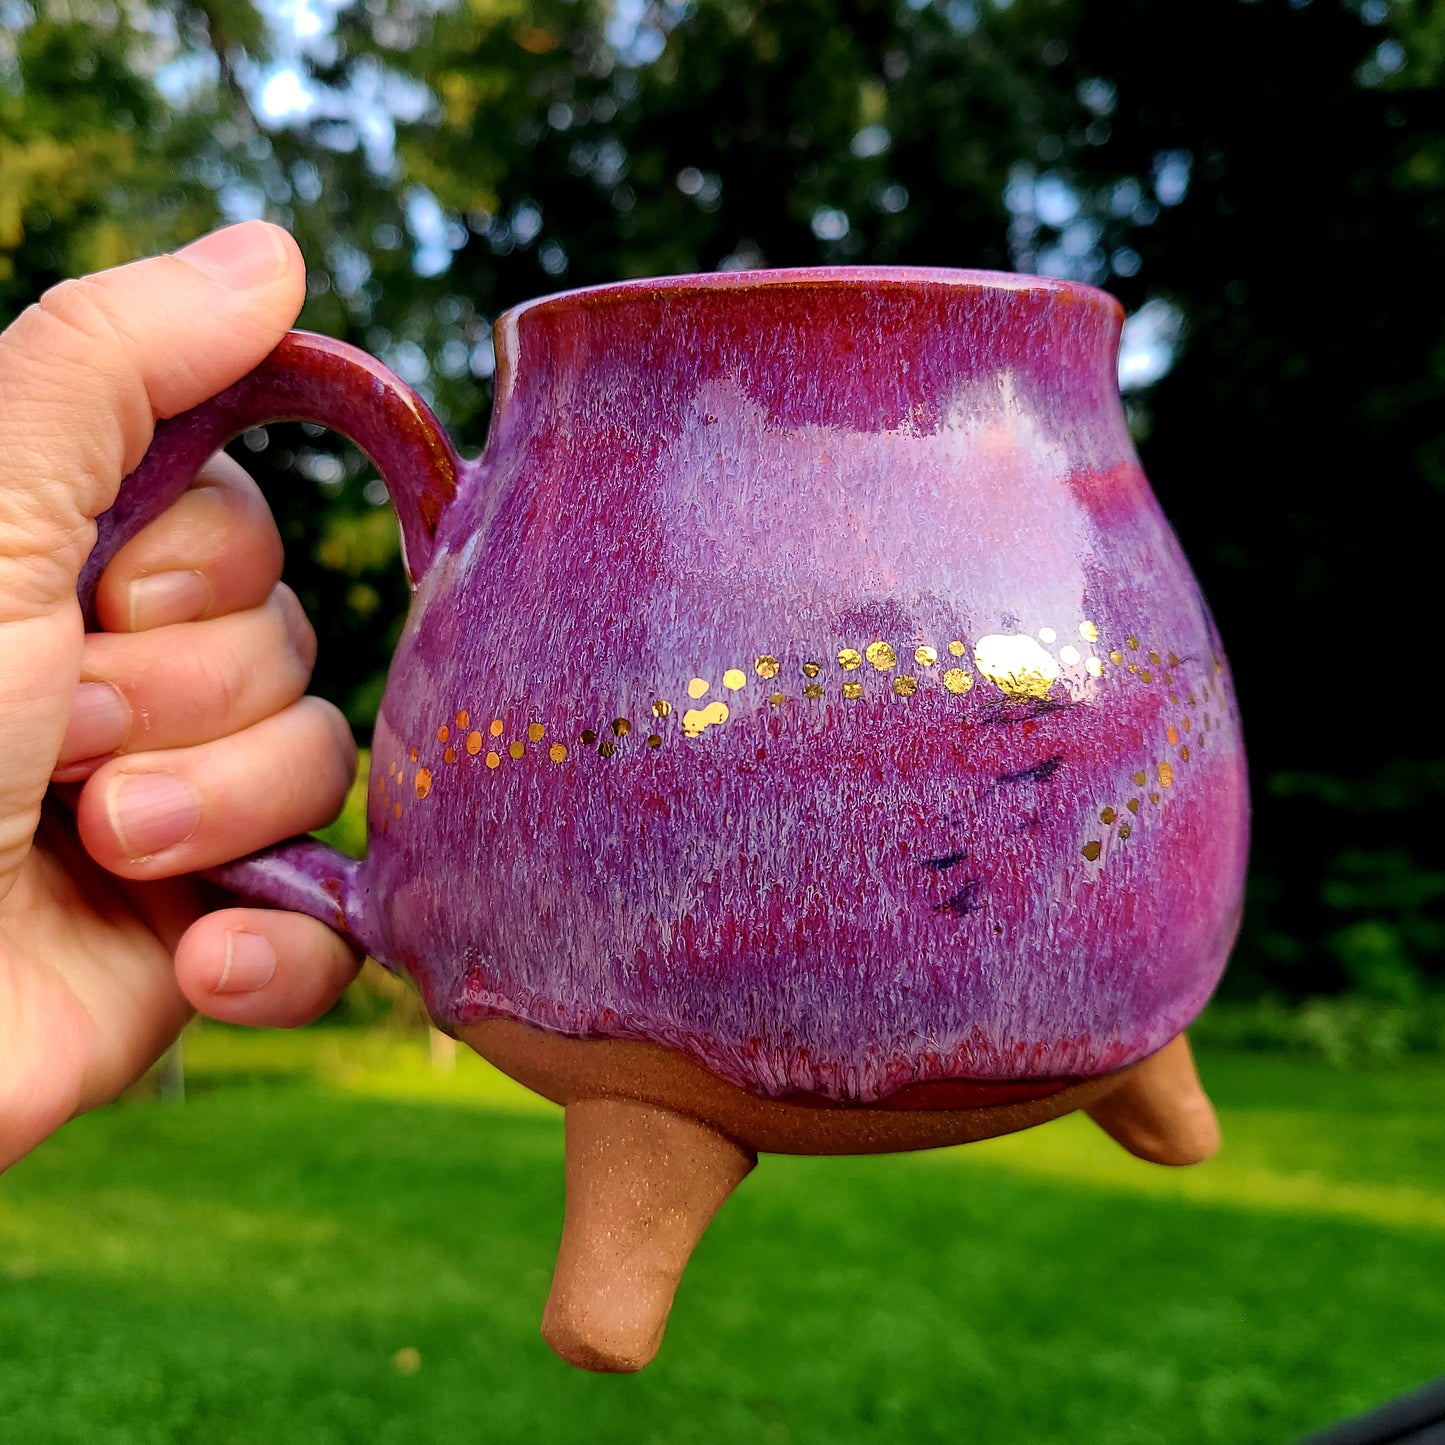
1268	180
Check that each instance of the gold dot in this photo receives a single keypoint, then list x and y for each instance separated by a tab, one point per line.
1116	657
697	720
654	741
734	678
1088	631
1173	735
1047	634
413	755
1146	676
1173	660
849	658
588	736
813	689
1154	798
957	649
464	719
1187	725
391	771
1174	698
661	708
1068	654
1124	830
1094	667
766	666
956	680
517	749
1134	667
1184	753
775	698
606	749
881	655
1167	678
423	782
1132	641
1141	778
1153	657
1166	776
697	687
443	733
450	756
396	810
1132	805
621	727
496	727
1092	851
925	656
905	686
812	669
474	743
536	732
558	752
1108	815
852	690
493	761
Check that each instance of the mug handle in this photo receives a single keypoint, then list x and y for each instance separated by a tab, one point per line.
312	379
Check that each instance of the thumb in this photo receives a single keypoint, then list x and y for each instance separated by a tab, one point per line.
84	374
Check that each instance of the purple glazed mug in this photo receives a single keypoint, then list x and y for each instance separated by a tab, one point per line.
807	734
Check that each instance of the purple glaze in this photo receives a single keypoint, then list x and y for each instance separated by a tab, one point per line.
871	882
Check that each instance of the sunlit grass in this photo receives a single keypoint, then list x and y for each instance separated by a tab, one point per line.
248	1266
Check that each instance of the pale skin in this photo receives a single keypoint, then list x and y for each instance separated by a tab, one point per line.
180	736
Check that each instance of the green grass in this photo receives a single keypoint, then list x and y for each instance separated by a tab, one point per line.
247	1267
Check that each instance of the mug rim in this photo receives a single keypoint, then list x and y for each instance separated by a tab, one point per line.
843	278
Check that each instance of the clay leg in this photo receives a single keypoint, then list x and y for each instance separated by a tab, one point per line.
643	1184
1159	1111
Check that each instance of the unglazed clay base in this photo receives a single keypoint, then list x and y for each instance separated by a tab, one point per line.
655	1144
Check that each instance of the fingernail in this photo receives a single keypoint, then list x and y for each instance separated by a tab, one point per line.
99	718
250	964
166	597
240	256
151	812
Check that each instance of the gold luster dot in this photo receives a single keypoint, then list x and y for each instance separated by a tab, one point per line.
1184	753
464	719
852	690
1047	634
775	698
1173	660
661	708
474	743
517	749
1154	657
1132	641
588	736
1068	654
1094	667
621	727
905	686
956	649
849	658
734	678
1154	798
881	655
391	771
1108	815
493	761
1088	631
1092	850
1166	776
1134	667
1174	698
766	666
423	782
1116	657
1146	676
697	687
813	689
1173	735
925	656
413	755
1167	678
606	749
956	680
496	727
443	733
696	720
536	732
1124	830
558	752
1187	724
396	810
1132	805
654	741
812	669
1016	664
450	756
1141	778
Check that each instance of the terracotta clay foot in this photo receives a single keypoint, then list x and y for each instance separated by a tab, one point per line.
1160	1111
643	1183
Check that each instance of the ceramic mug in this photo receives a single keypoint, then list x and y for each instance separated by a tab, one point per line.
806	735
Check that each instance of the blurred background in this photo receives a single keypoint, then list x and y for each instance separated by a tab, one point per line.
1262	185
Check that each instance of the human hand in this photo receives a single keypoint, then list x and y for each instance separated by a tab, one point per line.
183	725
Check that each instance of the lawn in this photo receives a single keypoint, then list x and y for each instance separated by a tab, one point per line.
331	1241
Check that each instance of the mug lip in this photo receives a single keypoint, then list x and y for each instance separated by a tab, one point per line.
827	278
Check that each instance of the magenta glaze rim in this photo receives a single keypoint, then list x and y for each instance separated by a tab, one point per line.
826	277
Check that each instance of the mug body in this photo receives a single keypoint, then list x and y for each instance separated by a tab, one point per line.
807	681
